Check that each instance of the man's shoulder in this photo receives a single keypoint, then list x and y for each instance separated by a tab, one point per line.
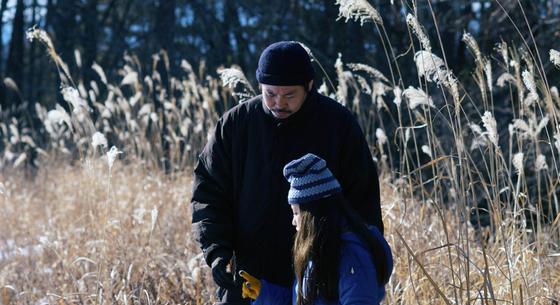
330	107
243	110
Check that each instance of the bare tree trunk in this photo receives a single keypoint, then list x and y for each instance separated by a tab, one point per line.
241	46
31	59
65	28
165	35
218	37
120	30
2	9
50	15
90	37
14	68
165	26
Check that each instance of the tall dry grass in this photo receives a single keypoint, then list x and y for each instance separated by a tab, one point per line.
458	166
74	235
153	115
469	201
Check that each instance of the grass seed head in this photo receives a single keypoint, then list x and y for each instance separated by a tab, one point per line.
112	156
417	29
417	97
358	10
381	136
489	123
555	57
98	139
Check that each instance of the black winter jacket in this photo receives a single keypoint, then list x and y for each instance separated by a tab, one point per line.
239	203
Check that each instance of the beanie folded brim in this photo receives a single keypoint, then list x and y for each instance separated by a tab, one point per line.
304	197
283	80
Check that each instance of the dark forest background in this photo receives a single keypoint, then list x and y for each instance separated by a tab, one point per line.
211	33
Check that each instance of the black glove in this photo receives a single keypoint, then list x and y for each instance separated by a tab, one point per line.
220	274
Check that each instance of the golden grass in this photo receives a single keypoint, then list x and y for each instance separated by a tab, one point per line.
441	259
80	234
72	235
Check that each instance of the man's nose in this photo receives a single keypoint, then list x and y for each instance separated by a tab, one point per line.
280	102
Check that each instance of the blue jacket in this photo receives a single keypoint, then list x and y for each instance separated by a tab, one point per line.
357	284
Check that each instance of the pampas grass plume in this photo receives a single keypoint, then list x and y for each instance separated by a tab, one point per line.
426	149
469	40
154	216
58	116
413	23
518	162
376	74
505	78
540	163
491	127
430	66
555	57
98	139
557	141
112	156
72	96
417	97
397	92
358	10
529	81
381	136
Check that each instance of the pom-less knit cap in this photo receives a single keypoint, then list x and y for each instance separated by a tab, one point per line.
310	179
285	63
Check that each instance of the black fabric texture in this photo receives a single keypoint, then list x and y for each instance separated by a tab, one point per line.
239	203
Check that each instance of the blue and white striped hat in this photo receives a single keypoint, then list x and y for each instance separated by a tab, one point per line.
310	179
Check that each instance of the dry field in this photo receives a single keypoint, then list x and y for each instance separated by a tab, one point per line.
74	234
113	227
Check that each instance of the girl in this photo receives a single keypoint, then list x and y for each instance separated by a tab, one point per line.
337	258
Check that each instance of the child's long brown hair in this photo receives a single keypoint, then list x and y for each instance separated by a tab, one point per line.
318	241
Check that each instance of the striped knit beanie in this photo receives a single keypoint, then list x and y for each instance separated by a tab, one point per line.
310	179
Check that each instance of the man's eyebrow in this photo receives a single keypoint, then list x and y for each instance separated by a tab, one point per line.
290	92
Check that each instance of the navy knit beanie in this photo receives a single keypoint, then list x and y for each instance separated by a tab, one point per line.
285	63
310	179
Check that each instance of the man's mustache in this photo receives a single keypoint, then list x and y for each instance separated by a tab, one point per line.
281	110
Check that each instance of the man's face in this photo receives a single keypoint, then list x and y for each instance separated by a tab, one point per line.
284	101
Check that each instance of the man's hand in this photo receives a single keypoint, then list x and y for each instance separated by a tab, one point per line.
251	287
220	274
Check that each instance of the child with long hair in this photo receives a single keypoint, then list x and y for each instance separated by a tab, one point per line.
337	258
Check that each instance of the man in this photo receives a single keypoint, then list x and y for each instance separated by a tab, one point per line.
240	211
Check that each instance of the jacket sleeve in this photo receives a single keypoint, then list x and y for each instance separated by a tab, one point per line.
272	294
358	283
212	198
359	179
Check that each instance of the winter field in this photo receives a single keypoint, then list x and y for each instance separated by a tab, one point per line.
76	234
468	166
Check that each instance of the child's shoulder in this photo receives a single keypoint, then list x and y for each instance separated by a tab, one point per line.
353	250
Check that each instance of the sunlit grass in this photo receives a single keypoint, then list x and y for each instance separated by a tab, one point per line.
72	235
81	231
